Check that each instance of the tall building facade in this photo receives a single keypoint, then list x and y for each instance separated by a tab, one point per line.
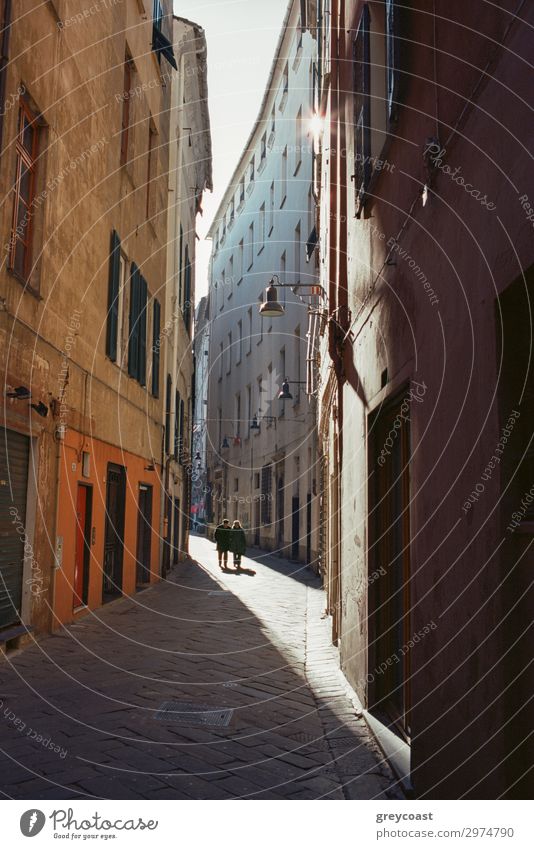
189	176
261	450
200	500
84	167
425	407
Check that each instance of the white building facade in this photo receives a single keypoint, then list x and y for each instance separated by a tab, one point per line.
189	176
262	450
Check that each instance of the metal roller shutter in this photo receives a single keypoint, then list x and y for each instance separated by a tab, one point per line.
14	458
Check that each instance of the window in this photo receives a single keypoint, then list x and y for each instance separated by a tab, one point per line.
151	163
392	58
283	178
180	266
123	280
250	261
283	377
220	360
239	341
156	344
249	314
114	290
137	326
298	347
229	354
273	119
263	148
298	140
285	80
297	246
249	409
177	432
238	414
241	190
251	171
231	212
271	208
231	276
361	93
125	127
160	44
157	14
25	201
168	402
261	240
240	255
283	276
223	286
299	35
266	494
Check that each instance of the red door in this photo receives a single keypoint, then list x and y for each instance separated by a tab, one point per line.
81	562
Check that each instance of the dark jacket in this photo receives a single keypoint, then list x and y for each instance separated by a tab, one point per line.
238	541
222	537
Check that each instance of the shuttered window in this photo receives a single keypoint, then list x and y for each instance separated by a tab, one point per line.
187	292
143	300
392	57
362	110
113	296
137	326
177	427
133	338
156	342
168	394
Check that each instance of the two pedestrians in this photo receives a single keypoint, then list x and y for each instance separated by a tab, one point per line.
230	538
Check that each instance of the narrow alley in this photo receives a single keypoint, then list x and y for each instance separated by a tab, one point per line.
261	710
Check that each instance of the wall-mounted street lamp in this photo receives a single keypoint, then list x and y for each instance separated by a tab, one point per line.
285	394
225	444
22	393
271	307
269	419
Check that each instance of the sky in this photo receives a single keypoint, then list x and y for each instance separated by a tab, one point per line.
241	37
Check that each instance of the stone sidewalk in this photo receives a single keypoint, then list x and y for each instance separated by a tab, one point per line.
261	710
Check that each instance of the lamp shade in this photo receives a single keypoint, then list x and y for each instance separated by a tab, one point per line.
285	394
271	308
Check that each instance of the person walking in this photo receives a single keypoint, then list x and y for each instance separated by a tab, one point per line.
222	538
238	543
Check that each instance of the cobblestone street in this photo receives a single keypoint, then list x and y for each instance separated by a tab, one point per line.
82	712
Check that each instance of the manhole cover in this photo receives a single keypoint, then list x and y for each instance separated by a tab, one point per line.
184	713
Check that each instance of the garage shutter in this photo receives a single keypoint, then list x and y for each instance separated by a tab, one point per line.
14	457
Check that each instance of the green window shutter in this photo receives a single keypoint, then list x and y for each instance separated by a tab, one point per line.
168	414
156	324
133	341
113	296
143	294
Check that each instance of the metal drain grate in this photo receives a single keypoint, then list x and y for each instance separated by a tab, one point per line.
185	713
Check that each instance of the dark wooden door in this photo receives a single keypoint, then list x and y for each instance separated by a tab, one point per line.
389	596
83	549
114	532
144	534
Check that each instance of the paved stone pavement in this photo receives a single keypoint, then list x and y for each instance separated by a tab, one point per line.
79	710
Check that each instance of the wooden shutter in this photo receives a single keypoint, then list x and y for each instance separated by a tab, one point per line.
156	323
143	295
168	414
133	342
362	110
113	296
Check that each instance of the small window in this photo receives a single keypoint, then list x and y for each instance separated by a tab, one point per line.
242	190
393	43
25	202
285	80
298	140
229	354
283	178
125	126
239	341
263	147
240	257
261	237
271	208
151	170
251	171
250	261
